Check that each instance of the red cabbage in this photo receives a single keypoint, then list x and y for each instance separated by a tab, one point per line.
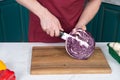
76	49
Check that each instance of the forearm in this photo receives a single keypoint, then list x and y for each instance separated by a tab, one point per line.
49	23
89	12
34	6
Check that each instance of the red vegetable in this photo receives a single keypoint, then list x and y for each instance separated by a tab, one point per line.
78	50
7	75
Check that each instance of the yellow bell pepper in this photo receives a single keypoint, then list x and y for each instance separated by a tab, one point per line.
2	65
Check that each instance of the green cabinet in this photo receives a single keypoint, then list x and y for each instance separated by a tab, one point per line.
13	22
106	25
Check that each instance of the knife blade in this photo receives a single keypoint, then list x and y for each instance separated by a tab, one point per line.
65	35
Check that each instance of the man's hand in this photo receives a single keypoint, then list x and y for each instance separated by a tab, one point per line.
50	24
88	13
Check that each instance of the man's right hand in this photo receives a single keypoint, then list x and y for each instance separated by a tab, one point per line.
50	24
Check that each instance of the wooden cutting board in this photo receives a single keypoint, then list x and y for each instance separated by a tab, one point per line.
55	60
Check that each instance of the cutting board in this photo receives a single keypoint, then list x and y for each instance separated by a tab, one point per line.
55	60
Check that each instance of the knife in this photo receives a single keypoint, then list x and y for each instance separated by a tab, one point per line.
65	35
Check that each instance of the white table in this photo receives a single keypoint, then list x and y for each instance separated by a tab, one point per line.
17	57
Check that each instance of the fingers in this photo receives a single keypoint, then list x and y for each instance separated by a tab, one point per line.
53	33
75	29
57	31
51	26
50	32
83	27
60	28
53	30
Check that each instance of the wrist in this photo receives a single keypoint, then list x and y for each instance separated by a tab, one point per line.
42	13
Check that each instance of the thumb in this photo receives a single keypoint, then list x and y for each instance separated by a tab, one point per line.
83	27
75	29
60	28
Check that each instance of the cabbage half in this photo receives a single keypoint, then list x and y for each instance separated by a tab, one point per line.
76	49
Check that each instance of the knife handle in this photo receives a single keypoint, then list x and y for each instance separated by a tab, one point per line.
61	34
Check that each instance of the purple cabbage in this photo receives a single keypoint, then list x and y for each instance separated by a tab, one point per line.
74	47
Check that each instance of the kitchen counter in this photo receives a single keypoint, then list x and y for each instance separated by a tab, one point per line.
115	2
17	57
